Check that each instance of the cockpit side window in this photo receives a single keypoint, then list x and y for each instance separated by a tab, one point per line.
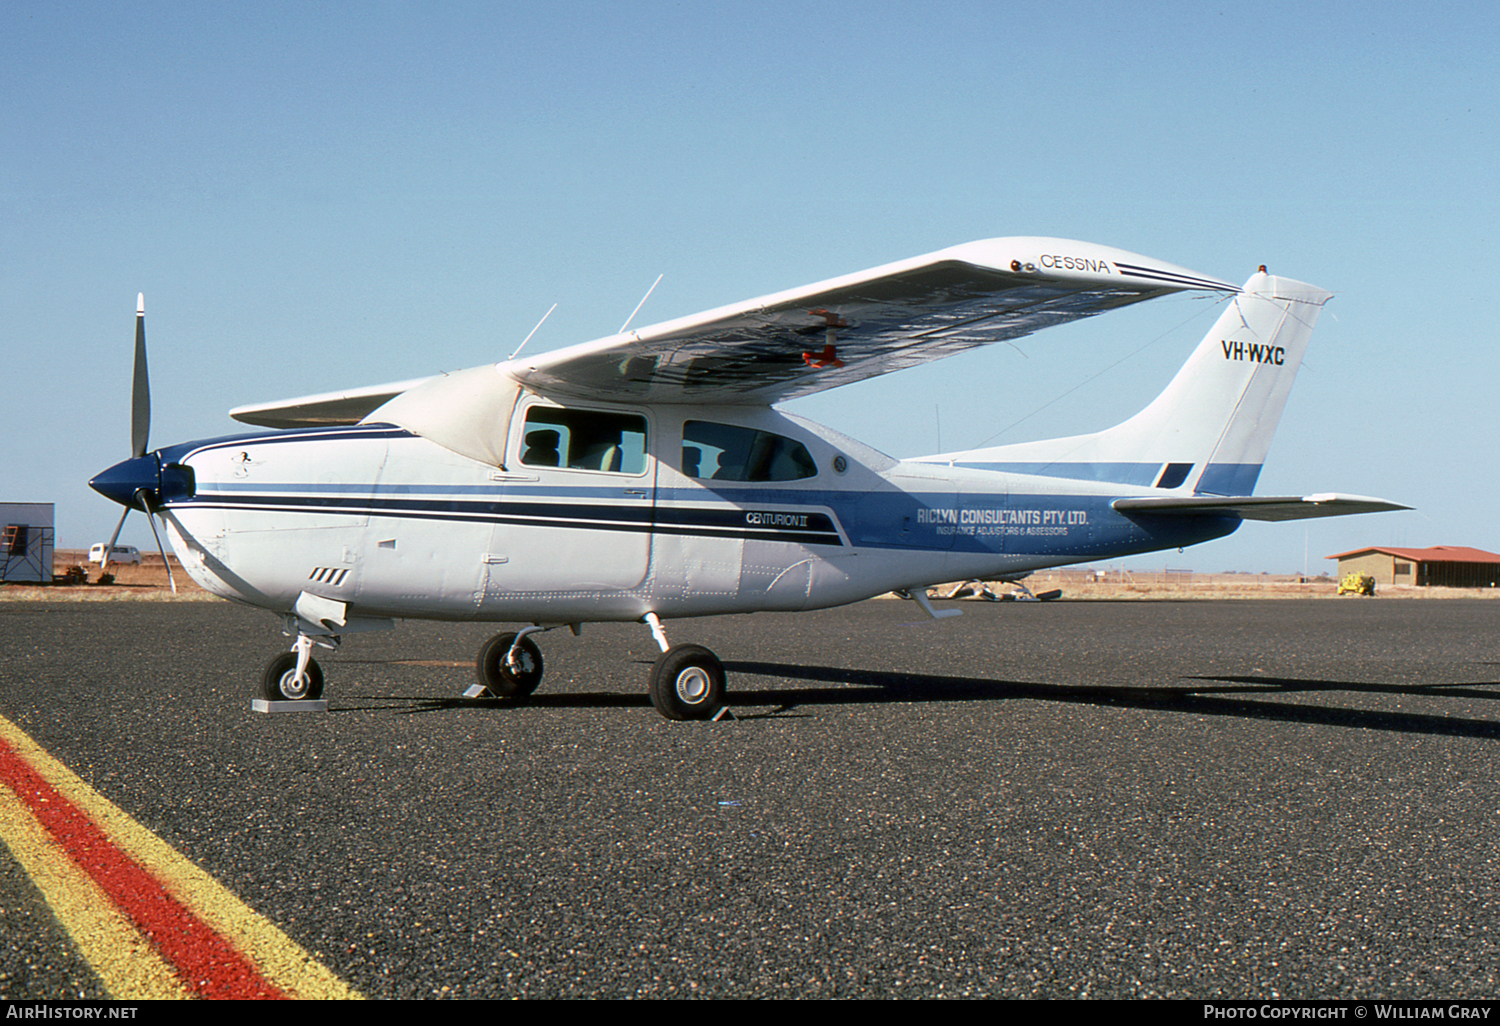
727	452
584	440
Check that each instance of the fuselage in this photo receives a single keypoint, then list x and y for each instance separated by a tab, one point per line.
612	513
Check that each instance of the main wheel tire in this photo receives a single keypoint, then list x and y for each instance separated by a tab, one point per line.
687	683
279	681
502	681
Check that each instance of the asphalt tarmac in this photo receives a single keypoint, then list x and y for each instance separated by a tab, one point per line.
1246	799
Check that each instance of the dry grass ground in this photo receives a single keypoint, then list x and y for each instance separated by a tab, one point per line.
144	582
148	582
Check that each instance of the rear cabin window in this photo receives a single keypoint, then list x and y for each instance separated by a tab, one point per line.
726	452
584	440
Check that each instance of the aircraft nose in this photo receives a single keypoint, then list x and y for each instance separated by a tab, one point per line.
121	482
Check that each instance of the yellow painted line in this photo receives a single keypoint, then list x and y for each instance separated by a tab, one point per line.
128	966
280	959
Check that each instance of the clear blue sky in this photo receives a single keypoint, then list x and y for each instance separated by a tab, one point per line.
322	195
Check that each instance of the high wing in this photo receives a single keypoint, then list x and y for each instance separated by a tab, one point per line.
808	339
349	406
1265	507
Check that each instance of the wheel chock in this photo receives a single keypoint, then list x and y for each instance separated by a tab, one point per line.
264	705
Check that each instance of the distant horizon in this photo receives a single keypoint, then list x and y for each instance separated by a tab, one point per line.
1137	564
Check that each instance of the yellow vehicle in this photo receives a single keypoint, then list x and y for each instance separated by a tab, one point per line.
1357	584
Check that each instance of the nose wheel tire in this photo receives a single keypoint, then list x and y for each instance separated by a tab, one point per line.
502	679
687	683
279	682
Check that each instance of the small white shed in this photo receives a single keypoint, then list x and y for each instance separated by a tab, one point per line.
26	545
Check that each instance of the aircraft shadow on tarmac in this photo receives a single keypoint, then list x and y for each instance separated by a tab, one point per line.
1216	701
1209	701
887	686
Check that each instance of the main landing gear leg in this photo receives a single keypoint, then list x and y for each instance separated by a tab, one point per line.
687	682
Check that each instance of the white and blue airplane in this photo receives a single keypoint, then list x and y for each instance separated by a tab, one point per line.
648	476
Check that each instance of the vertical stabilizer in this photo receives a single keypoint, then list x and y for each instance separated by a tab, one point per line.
1209	430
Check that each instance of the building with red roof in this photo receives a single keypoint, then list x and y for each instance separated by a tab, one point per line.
1441	566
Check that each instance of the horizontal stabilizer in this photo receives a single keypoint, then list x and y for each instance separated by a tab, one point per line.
1263	507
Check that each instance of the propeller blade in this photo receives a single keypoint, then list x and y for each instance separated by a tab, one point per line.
140	385
104	559
159	548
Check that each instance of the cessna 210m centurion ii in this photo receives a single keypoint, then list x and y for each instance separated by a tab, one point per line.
648	476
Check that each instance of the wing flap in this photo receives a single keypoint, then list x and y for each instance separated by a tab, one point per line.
1259	507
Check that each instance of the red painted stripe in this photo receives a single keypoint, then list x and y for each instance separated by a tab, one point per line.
209	966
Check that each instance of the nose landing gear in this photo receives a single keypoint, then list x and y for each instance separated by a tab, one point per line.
294	676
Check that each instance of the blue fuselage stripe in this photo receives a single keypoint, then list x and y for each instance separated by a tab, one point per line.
806	527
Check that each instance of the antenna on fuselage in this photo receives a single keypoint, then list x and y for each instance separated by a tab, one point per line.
642	303
533	331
